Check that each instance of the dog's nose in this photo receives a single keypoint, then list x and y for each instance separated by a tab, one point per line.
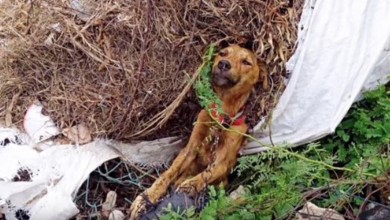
224	65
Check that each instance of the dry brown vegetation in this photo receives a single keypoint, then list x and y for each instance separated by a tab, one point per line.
119	66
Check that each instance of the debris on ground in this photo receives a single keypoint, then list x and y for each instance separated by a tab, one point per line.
237	193
378	212
108	208
313	212
78	134
176	202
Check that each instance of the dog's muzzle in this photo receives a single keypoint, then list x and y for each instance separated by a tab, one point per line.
221	76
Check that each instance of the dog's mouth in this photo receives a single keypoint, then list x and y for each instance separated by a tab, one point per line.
222	79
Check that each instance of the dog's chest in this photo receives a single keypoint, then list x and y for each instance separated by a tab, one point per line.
208	148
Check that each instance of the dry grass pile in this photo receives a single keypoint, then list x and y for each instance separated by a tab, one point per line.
114	65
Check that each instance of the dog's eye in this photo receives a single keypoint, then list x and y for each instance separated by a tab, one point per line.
222	53
246	62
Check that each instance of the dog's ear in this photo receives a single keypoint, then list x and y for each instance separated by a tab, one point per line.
248	42
223	44
263	74
247	45
219	45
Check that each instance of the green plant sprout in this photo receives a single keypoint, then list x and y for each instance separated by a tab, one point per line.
202	85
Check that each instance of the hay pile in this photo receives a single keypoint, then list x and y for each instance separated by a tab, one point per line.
114	65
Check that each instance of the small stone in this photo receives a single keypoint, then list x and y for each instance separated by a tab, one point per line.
313	212
236	194
378	212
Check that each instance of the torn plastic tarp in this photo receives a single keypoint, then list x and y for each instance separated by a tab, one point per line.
57	172
41	178
343	49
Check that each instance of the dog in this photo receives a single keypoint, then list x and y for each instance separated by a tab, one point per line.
212	149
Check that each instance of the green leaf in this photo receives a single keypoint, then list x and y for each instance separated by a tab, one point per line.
342	153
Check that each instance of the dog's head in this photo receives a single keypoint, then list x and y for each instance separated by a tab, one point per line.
233	66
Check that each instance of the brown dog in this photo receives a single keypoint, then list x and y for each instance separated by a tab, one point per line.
212	151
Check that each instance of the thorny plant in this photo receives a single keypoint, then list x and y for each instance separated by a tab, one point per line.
332	173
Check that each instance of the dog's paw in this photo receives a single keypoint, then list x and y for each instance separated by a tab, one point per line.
138	207
189	187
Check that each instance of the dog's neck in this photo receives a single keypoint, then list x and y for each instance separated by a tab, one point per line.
232	101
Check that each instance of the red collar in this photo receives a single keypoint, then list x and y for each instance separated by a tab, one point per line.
227	120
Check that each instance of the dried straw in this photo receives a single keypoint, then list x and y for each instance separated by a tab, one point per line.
119	65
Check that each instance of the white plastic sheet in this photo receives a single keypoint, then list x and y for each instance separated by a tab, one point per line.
343	49
56	174
58	171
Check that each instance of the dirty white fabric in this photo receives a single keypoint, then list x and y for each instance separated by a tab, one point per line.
58	171
56	174
343	49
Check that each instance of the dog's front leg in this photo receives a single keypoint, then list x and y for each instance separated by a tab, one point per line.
181	162
225	159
